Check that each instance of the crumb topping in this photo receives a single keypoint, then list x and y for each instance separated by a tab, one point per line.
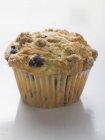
51	51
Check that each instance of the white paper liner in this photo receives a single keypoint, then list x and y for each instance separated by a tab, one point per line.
50	91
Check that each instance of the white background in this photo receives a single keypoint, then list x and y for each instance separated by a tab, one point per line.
84	120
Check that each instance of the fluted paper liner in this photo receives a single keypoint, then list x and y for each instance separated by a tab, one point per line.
51	90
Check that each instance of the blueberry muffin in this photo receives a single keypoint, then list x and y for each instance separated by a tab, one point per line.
51	67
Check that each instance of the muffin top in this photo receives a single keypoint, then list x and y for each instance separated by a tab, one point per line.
50	52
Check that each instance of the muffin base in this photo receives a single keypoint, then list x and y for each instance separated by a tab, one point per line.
52	90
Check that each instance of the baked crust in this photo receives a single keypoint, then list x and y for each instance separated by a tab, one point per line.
62	52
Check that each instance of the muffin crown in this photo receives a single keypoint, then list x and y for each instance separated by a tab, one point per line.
51	52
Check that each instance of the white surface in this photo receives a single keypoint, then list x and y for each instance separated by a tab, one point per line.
84	120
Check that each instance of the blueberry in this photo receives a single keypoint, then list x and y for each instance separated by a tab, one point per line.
13	50
44	36
55	82
32	77
36	61
13	47
7	58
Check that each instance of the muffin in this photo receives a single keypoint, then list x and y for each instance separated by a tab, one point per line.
50	67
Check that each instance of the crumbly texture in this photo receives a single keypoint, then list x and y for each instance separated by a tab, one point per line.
51	52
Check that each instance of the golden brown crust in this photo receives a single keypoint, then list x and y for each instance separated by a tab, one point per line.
62	51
